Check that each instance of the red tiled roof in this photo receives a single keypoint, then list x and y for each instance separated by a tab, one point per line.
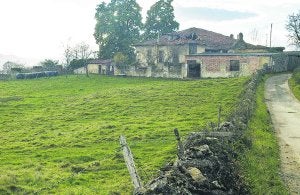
208	39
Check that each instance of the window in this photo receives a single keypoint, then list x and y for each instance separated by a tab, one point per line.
161	56
175	57
192	48
149	54
234	65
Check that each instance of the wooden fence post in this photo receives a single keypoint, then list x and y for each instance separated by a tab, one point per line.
180	146
219	116
130	164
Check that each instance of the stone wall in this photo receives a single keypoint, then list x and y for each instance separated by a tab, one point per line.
160	71
207	160
218	65
285	61
211	65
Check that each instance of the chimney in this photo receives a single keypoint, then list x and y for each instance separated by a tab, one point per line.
240	36
231	36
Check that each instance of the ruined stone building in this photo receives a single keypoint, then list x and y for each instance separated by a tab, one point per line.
199	53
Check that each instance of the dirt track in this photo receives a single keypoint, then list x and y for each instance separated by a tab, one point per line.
285	113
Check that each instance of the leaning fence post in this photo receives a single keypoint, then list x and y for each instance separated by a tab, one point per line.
130	164
219	116
180	146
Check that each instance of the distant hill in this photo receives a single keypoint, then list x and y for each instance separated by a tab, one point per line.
20	60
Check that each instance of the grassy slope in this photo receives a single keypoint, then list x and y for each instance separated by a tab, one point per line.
60	135
294	83
261	163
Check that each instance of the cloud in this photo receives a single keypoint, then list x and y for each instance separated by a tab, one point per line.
212	14
36	28
237	5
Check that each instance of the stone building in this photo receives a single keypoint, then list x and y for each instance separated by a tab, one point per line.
104	67
195	53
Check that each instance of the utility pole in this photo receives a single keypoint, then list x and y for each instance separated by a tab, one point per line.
271	35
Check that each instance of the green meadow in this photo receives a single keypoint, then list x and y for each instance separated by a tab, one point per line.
61	135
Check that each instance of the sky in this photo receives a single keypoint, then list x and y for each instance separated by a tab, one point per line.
41	29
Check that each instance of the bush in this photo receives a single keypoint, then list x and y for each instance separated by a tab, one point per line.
294	83
296	76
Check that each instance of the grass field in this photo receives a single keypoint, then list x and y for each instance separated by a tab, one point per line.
294	83
61	135
261	163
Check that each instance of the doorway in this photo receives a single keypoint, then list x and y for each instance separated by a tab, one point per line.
194	69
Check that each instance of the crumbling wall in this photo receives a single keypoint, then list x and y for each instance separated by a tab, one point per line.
162	71
280	62
206	160
214	66
286	61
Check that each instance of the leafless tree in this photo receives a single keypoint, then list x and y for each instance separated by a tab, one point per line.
293	26
82	51
254	36
68	55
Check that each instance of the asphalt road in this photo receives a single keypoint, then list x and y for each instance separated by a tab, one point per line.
285	112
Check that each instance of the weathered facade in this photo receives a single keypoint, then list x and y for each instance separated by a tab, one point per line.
105	67
195	53
239	64
226	65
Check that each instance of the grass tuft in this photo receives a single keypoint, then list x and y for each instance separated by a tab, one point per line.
294	83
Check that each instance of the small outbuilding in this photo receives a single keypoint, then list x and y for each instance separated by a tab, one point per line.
97	66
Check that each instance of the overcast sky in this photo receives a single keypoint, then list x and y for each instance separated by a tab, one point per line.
39	29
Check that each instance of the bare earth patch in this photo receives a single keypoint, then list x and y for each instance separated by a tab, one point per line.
285	113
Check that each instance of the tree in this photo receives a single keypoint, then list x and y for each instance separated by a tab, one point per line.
77	56
293	26
254	36
68	55
120	59
160	20
118	27
8	66
76	63
84	52
48	64
103	26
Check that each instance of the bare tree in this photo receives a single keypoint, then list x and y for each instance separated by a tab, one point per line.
77	56
68	55
254	36
293	26
82	51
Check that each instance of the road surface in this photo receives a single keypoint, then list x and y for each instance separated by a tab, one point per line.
285	112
